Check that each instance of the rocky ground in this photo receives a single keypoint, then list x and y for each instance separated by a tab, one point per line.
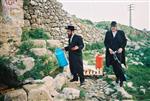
60	89
98	89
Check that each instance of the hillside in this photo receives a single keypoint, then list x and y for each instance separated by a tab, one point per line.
131	32
137	57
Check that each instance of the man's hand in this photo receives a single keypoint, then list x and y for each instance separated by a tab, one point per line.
63	49
75	48
120	50
110	51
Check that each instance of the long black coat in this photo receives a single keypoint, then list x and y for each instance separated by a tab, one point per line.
75	57
119	41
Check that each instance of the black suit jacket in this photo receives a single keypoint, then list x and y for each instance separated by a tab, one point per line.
119	41
75	57
76	41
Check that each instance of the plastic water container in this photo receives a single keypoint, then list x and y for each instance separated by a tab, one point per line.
61	58
99	61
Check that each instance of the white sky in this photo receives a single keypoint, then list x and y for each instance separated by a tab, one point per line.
110	10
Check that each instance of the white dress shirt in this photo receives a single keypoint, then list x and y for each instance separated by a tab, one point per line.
114	33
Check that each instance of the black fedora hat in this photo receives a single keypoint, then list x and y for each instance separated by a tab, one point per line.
70	27
113	24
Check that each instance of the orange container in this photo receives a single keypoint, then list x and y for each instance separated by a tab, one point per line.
99	61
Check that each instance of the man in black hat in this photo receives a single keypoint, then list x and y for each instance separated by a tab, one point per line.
115	40
74	48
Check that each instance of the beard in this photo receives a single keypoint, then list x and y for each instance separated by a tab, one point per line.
69	35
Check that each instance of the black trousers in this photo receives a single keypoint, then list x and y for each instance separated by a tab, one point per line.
117	68
76	68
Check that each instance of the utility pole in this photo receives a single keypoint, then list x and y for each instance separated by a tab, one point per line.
130	14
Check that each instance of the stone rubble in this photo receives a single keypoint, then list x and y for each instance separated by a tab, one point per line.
60	89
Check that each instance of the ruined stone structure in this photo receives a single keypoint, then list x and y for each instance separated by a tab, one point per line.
46	14
49	15
11	23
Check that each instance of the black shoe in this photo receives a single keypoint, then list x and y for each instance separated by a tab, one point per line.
121	83
82	83
117	81
72	80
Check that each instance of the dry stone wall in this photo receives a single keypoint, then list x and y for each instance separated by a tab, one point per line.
11	23
46	14
49	15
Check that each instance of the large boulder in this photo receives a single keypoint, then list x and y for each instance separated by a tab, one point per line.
113	77
29	64
59	81
37	92
124	93
41	51
130	84
48	81
108	91
16	95
39	43
54	43
60	97
71	93
50	85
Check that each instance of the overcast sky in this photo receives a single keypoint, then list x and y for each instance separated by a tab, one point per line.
109	10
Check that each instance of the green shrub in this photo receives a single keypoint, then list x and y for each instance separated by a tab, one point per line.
146	58
43	66
34	34
52	49
25	35
20	65
87	55
103	25
137	54
95	46
82	93
25	47
56	71
26	2
134	37
140	77
4	61
86	21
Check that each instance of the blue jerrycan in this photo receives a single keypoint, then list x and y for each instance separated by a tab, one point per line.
61	58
